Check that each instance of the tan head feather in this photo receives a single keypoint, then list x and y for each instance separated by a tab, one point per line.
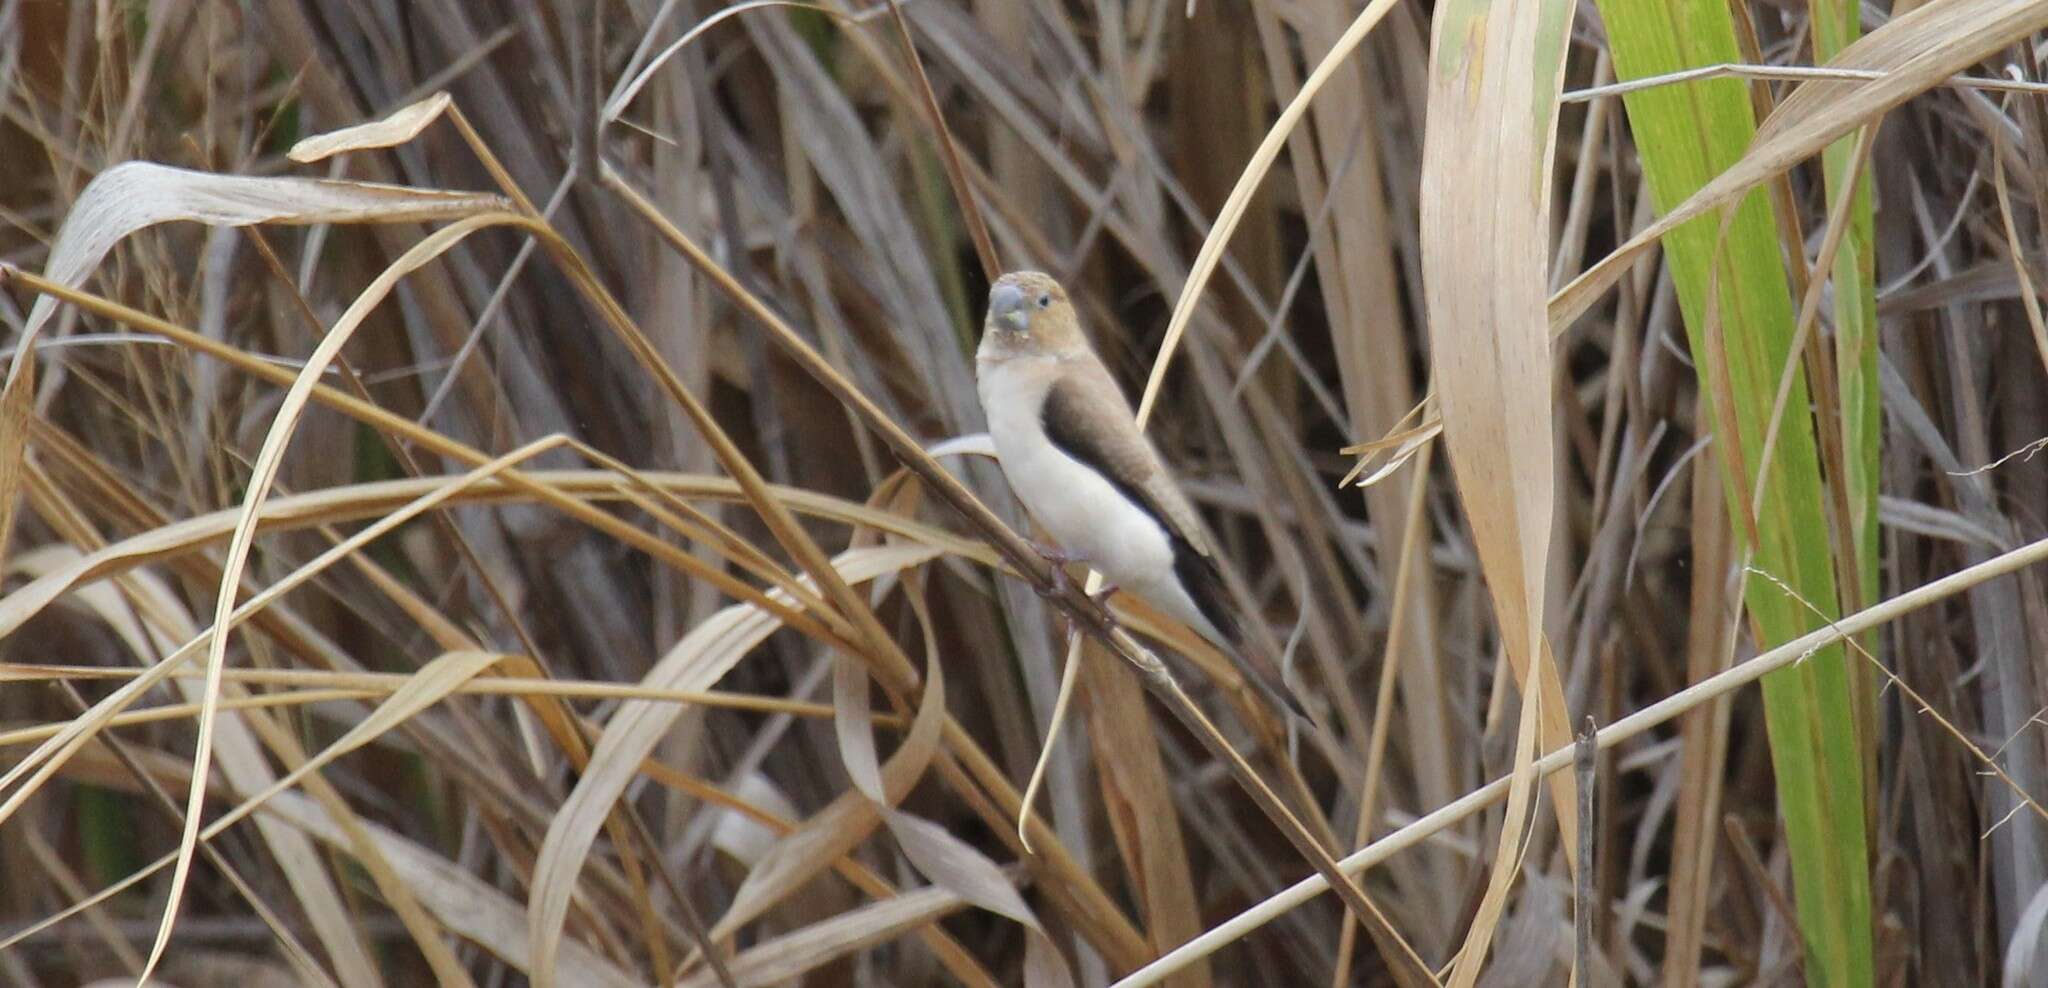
1029	314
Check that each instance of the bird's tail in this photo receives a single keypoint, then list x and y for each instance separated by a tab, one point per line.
1204	584
1264	674
1201	599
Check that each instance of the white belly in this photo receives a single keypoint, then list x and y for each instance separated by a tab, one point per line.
1089	518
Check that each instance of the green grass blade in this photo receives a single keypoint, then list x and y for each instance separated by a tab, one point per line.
1855	311
1686	134
1835	25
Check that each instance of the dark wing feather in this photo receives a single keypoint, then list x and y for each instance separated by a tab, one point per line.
1113	448
1076	423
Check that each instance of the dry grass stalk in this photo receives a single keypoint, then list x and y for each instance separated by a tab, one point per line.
527	577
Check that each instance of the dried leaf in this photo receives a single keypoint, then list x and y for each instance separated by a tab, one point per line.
398	128
788	957
135	195
1507	852
944	859
696	662
1495	72
17	408
832	832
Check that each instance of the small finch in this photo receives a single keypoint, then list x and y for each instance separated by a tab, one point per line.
1071	448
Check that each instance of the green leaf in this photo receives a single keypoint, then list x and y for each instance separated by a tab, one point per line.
1740	316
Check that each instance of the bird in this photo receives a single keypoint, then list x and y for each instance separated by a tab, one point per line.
1070	446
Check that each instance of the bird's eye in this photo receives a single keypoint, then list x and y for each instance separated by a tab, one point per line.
1045	301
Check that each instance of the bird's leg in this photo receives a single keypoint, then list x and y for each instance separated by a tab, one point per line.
1059	558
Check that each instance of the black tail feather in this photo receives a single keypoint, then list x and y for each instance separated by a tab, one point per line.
1204	583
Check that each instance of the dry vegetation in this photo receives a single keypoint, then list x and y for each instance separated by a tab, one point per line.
597	618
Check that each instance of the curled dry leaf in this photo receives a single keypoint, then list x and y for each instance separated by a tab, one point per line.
847	820
398	128
135	195
1496	69
696	662
946	860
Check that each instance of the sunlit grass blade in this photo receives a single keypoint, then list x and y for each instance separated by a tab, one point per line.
1855	411
1739	315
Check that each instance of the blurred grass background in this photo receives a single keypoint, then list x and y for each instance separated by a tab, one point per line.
1100	140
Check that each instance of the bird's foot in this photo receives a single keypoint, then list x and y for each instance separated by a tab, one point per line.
1102	596
1059	558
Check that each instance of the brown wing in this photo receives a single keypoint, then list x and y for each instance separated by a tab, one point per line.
1086	416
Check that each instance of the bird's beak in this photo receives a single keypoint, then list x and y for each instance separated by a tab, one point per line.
1008	308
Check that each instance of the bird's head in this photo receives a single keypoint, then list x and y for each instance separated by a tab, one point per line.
1028	313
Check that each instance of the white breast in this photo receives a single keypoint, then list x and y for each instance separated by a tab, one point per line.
1089	518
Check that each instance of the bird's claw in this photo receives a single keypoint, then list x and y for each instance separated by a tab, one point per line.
1061	582
1059	560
